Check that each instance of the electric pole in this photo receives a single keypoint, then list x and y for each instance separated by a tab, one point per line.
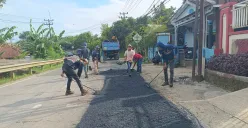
123	15
195	39
49	22
201	39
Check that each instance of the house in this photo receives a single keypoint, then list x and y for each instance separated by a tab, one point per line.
233	28
9	51
225	27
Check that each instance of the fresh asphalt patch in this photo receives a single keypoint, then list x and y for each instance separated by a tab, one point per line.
125	102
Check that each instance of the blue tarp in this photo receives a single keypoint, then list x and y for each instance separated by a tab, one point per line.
207	53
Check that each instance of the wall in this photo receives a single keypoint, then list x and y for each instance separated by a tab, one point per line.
189	38
187	11
225	26
238	43
227	81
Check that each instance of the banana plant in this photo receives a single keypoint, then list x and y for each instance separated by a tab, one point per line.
7	34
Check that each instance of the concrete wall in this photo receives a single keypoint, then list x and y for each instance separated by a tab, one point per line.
238	43
226	81
225	27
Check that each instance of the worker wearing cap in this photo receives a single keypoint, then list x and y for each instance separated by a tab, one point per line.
71	64
129	58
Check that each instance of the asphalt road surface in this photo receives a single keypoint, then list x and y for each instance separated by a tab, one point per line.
124	102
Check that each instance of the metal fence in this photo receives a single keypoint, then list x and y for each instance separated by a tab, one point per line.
15	67
240	15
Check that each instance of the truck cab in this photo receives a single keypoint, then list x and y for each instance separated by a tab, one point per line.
110	50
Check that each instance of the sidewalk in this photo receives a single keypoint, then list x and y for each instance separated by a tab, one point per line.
213	106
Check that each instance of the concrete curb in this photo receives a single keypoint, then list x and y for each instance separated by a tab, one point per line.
227	81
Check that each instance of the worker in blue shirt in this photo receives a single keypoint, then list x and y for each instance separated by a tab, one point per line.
167	53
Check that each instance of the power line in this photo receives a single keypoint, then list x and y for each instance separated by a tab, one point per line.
135	6
155	8
131	4
23	22
150	6
127	2
21	16
90	27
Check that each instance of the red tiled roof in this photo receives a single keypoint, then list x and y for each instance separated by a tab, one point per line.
9	51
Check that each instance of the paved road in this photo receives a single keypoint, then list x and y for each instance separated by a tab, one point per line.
126	103
39	102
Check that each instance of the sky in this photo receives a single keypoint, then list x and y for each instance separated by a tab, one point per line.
73	16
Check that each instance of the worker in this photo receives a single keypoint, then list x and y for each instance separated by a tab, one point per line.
71	64
138	60
95	59
85	55
167	53
129	53
156	59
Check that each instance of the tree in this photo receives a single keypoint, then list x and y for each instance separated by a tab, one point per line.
105	32
162	15
24	35
2	2
40	44
7	34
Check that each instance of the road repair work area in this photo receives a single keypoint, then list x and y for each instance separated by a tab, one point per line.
122	102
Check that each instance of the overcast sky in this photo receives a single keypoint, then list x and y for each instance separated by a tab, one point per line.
74	16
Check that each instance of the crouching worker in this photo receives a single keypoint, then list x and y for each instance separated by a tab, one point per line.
156	59
138	60
70	64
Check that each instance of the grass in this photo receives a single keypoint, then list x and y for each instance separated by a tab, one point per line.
24	73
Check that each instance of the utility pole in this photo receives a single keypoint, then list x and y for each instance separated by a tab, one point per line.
123	15
195	38
49	22
200	77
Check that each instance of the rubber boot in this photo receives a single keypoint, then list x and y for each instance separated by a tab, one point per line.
171	82
83	92
68	92
165	79
86	76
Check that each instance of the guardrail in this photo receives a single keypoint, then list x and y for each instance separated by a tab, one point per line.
15	67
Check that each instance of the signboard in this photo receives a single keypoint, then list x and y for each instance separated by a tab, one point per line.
137	38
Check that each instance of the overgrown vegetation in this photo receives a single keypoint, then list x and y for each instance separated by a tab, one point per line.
232	64
7	34
42	43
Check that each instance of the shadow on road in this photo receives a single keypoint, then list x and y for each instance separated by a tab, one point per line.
125	102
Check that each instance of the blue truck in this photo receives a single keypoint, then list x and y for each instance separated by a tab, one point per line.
110	50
